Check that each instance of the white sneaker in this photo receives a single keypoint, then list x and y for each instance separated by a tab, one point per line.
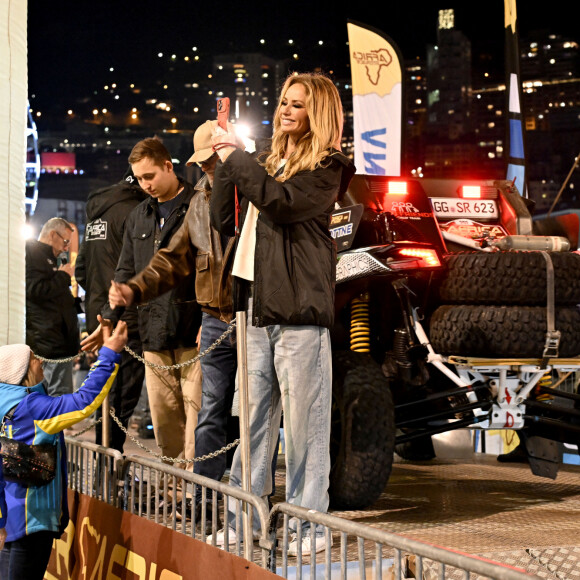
319	544
223	536
231	537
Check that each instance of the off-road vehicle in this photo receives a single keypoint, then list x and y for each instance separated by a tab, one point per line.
438	328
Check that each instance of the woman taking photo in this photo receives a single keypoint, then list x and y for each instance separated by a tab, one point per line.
284	274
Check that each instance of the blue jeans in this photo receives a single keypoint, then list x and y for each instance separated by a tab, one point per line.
218	384
27	557
290	370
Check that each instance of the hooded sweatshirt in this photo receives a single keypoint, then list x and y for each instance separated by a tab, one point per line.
106	211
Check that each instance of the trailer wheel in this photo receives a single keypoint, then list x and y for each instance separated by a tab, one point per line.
511	277
501	331
363	431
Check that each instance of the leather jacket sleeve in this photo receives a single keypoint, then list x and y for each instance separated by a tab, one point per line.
168	267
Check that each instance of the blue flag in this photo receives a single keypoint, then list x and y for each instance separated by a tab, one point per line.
516	169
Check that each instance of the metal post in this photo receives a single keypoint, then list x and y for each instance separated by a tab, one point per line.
241	318
105	428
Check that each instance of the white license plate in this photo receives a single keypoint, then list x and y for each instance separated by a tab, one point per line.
448	207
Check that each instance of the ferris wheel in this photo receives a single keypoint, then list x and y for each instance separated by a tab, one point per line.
32	165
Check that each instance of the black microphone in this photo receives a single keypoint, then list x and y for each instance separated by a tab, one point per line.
64	260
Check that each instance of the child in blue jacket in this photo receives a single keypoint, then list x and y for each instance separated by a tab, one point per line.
37	514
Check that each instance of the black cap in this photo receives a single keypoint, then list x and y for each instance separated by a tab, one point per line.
129	177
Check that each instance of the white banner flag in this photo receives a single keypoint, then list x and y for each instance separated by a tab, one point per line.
377	86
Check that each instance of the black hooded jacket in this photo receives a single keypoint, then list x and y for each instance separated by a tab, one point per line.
107	209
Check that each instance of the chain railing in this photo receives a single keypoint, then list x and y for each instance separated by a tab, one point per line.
175	460
56	360
176	366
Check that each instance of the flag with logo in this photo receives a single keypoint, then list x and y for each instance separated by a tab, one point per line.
377	89
516	168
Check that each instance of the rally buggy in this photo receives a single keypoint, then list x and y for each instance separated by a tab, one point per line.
438	329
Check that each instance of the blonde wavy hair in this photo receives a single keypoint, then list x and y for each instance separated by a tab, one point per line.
326	121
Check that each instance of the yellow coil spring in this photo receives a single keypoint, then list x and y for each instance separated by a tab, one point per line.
545	381
360	324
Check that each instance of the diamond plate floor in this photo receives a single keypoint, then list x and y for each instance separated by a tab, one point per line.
481	507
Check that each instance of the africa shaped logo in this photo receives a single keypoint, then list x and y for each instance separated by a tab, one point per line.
374	62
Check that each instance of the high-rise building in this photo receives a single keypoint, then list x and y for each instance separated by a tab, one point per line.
449	80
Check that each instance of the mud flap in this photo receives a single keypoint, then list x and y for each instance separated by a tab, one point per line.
544	456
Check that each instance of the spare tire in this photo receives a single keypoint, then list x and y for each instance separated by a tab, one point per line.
501	331
511	277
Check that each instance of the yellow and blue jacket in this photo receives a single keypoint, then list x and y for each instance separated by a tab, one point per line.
39	418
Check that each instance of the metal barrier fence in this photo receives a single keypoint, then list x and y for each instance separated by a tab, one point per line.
363	551
165	494
94	470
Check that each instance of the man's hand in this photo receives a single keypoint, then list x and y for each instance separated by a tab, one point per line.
2	537
68	268
95	340
120	295
117	339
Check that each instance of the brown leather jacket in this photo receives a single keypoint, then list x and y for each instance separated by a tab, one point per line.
195	246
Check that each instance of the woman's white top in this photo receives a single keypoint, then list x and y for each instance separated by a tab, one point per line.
244	259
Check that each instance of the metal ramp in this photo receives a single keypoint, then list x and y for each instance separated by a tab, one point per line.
479	506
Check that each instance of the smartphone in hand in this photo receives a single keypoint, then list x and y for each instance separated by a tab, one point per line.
223	112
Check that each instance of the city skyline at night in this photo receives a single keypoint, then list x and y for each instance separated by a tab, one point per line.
74	52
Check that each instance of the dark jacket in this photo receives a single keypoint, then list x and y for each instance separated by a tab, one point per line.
171	320
195	249
107	209
39	418
52	329
295	259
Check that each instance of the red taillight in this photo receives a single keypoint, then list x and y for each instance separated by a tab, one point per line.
397	188
426	258
471	191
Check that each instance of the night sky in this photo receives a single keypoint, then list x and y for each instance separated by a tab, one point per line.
72	44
